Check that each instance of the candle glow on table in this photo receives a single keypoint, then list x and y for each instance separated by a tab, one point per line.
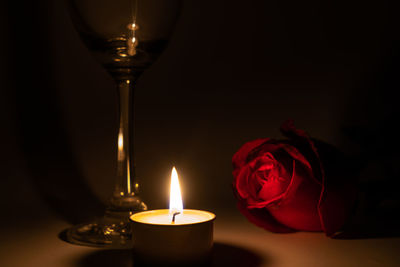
173	235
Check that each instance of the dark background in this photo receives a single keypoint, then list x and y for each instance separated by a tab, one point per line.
233	72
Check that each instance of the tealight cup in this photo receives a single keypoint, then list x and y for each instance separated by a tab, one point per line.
157	240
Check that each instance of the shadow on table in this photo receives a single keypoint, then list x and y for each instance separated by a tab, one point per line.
223	255
376	212
229	255
370	230
63	236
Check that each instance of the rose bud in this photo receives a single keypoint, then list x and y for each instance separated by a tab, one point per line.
284	185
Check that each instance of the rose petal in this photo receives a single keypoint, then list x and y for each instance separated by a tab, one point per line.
253	198
312	155
241	180
295	181
258	183
275	147
296	154
267	148
262	218
306	148
239	158
298	207
275	187
340	192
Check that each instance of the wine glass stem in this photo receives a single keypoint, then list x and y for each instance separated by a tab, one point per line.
126	184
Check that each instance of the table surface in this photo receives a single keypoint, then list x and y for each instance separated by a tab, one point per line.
237	243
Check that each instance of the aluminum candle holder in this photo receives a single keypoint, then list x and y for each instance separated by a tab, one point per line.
158	242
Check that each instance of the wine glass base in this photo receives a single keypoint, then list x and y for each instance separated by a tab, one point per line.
111	231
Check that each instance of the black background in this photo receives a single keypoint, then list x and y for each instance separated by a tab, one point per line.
233	72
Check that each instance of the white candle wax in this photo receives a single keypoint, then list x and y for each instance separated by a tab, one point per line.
164	217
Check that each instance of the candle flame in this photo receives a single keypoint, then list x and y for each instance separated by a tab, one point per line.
175	196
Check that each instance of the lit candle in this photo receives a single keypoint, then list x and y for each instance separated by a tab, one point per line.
173	236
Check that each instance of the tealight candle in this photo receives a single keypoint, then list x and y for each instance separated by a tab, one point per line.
172	237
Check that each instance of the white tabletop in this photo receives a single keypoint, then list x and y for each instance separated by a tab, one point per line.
237	243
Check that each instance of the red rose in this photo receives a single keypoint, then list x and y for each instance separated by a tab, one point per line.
282	186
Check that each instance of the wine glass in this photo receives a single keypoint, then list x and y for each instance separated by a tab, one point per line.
126	37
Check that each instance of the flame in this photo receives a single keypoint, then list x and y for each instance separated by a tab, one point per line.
175	196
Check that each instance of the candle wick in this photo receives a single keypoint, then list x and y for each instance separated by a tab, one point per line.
173	216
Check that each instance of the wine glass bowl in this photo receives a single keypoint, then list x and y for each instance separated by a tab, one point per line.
126	37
